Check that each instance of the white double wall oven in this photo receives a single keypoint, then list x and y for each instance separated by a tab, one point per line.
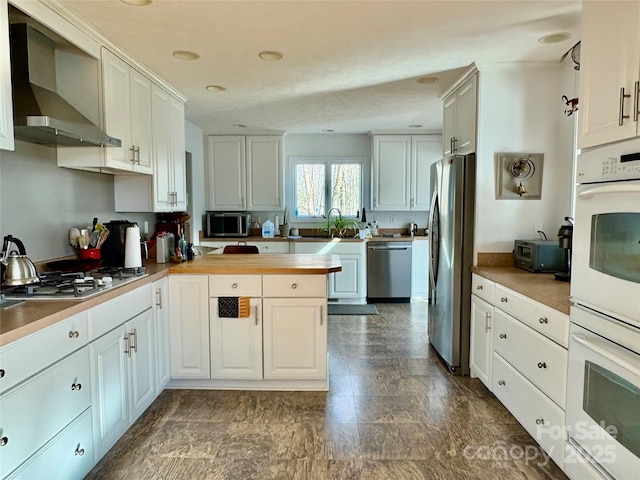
603	393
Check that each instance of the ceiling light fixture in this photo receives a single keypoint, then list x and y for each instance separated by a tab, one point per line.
428	80
270	56
554	38
137	3
186	55
215	88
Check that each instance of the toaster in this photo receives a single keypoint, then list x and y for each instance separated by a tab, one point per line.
165	244
539	255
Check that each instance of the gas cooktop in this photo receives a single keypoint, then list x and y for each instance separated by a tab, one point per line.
74	285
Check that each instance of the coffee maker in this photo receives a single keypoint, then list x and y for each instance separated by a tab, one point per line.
565	240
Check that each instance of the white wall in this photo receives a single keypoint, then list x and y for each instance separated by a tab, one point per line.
195	146
520	110
40	202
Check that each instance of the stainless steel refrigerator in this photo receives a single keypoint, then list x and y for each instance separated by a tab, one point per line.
451	223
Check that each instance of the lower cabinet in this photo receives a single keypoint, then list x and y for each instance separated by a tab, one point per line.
420	269
480	355
160	291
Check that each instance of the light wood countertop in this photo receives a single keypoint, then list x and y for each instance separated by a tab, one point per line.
542	287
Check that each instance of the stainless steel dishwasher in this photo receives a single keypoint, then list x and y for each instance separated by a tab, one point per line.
389	271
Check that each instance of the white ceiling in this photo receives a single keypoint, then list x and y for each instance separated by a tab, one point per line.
350	66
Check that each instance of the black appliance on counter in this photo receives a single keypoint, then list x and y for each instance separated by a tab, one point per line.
112	250
538	256
565	242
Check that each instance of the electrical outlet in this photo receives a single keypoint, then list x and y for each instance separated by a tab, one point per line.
392	219
536	229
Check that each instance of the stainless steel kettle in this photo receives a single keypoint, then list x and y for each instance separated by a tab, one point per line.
18	269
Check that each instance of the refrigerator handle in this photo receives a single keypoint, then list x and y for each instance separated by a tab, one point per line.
431	217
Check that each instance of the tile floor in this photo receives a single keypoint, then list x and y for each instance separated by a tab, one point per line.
392	412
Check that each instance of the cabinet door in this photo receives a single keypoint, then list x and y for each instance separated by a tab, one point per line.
178	160
109	389
6	105
265	173
141	357
236	344
117	108
609	62
163	346
420	269
226	178
141	118
189	320
350	282
449	125
391	172
162	188
481	340
465	117
295	338
425	150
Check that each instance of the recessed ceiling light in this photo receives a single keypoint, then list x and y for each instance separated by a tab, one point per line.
328	130
215	88
270	56
186	55
428	80
415	126
137	3
239	125
554	37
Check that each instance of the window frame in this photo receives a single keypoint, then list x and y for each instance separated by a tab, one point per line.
328	162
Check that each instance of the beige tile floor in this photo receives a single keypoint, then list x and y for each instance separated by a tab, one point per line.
392	412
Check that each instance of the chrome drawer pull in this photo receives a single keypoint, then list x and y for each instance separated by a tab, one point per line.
487	322
504	299
503	335
542	365
502	382
1	372
4	441
294	285
74	334
76	386
257	321
127	345
79	451
134	344
543	320
234	285
478	287
621	115
159	298
539	421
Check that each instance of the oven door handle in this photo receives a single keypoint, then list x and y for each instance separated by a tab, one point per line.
600	349
613	188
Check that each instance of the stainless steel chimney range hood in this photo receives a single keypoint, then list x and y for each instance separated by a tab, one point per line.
41	115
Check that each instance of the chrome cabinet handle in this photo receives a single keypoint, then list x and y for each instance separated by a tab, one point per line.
539	421
621	115
321	316
1	372
503	335
543	320
478	287
502	382
234	285
76	386
137	152
294	285
74	334
4	441
504	299
134	344
542	364
257	320
636	100
79	451
159	298
127	345
133	154
487	322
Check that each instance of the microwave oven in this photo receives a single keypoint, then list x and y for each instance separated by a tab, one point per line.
230	224
539	255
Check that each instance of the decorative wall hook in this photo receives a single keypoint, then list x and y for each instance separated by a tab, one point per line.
572	105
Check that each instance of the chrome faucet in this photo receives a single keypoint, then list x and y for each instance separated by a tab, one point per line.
337	210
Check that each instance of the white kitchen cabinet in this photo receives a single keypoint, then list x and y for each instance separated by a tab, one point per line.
265	173
295	338
350	284
142	363
480	355
189	318
420	268
166	190
6	104
609	73
460	116
401	171
244	173
127	114
160	290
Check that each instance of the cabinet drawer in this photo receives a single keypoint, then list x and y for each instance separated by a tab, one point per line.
272	247
18	362
33	413
109	315
294	285
235	285
71	452
539	359
549	322
539	416
482	287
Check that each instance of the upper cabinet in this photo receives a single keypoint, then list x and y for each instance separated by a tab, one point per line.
401	169
609	73
6	110
460	113
127	115
245	173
